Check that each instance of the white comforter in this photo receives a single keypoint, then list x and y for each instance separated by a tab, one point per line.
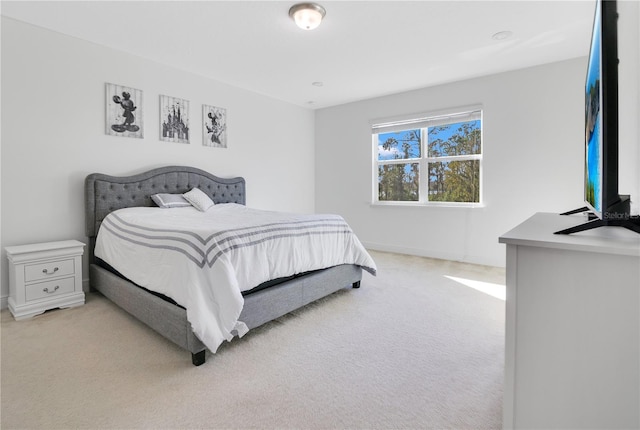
204	260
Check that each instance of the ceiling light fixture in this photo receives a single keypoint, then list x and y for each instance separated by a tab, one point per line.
307	15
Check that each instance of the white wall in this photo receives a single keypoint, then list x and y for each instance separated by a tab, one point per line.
629	100
53	136
53	106
532	136
533	152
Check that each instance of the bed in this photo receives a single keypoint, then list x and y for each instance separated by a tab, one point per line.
106	195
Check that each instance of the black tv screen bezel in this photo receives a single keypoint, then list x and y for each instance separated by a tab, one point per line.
608	25
615	209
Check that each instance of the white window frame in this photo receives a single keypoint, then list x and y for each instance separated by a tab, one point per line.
423	122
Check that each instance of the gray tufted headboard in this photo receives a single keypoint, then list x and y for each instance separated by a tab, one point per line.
105	194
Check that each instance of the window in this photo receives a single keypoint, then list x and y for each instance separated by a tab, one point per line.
429	160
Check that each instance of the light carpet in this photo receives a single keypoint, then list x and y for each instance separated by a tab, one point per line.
412	348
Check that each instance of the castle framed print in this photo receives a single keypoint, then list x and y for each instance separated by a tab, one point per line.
174	119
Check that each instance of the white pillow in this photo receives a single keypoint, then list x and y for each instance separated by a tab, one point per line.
164	200
198	199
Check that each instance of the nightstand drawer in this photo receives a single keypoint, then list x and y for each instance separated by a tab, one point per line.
49	289
36	272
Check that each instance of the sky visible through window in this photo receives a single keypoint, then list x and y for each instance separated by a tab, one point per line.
394	152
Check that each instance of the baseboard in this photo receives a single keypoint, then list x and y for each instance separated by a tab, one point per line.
411	251
433	254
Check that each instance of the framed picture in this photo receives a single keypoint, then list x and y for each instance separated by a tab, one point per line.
124	112
174	119
214	130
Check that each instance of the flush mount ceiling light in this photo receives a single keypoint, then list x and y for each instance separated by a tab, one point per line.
307	15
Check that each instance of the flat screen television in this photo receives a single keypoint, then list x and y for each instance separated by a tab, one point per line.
605	205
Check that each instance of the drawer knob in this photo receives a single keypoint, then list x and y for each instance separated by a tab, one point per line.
46	290
46	271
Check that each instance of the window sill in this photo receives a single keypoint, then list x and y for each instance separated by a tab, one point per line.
448	205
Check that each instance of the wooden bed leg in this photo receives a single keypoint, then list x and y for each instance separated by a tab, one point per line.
198	358
356	284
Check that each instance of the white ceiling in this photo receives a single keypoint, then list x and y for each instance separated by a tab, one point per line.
363	49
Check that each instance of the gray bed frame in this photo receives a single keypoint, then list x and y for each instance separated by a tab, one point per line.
105	194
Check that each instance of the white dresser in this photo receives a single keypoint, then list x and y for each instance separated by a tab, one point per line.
44	276
572	326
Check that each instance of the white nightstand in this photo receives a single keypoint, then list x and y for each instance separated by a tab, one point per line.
44	276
